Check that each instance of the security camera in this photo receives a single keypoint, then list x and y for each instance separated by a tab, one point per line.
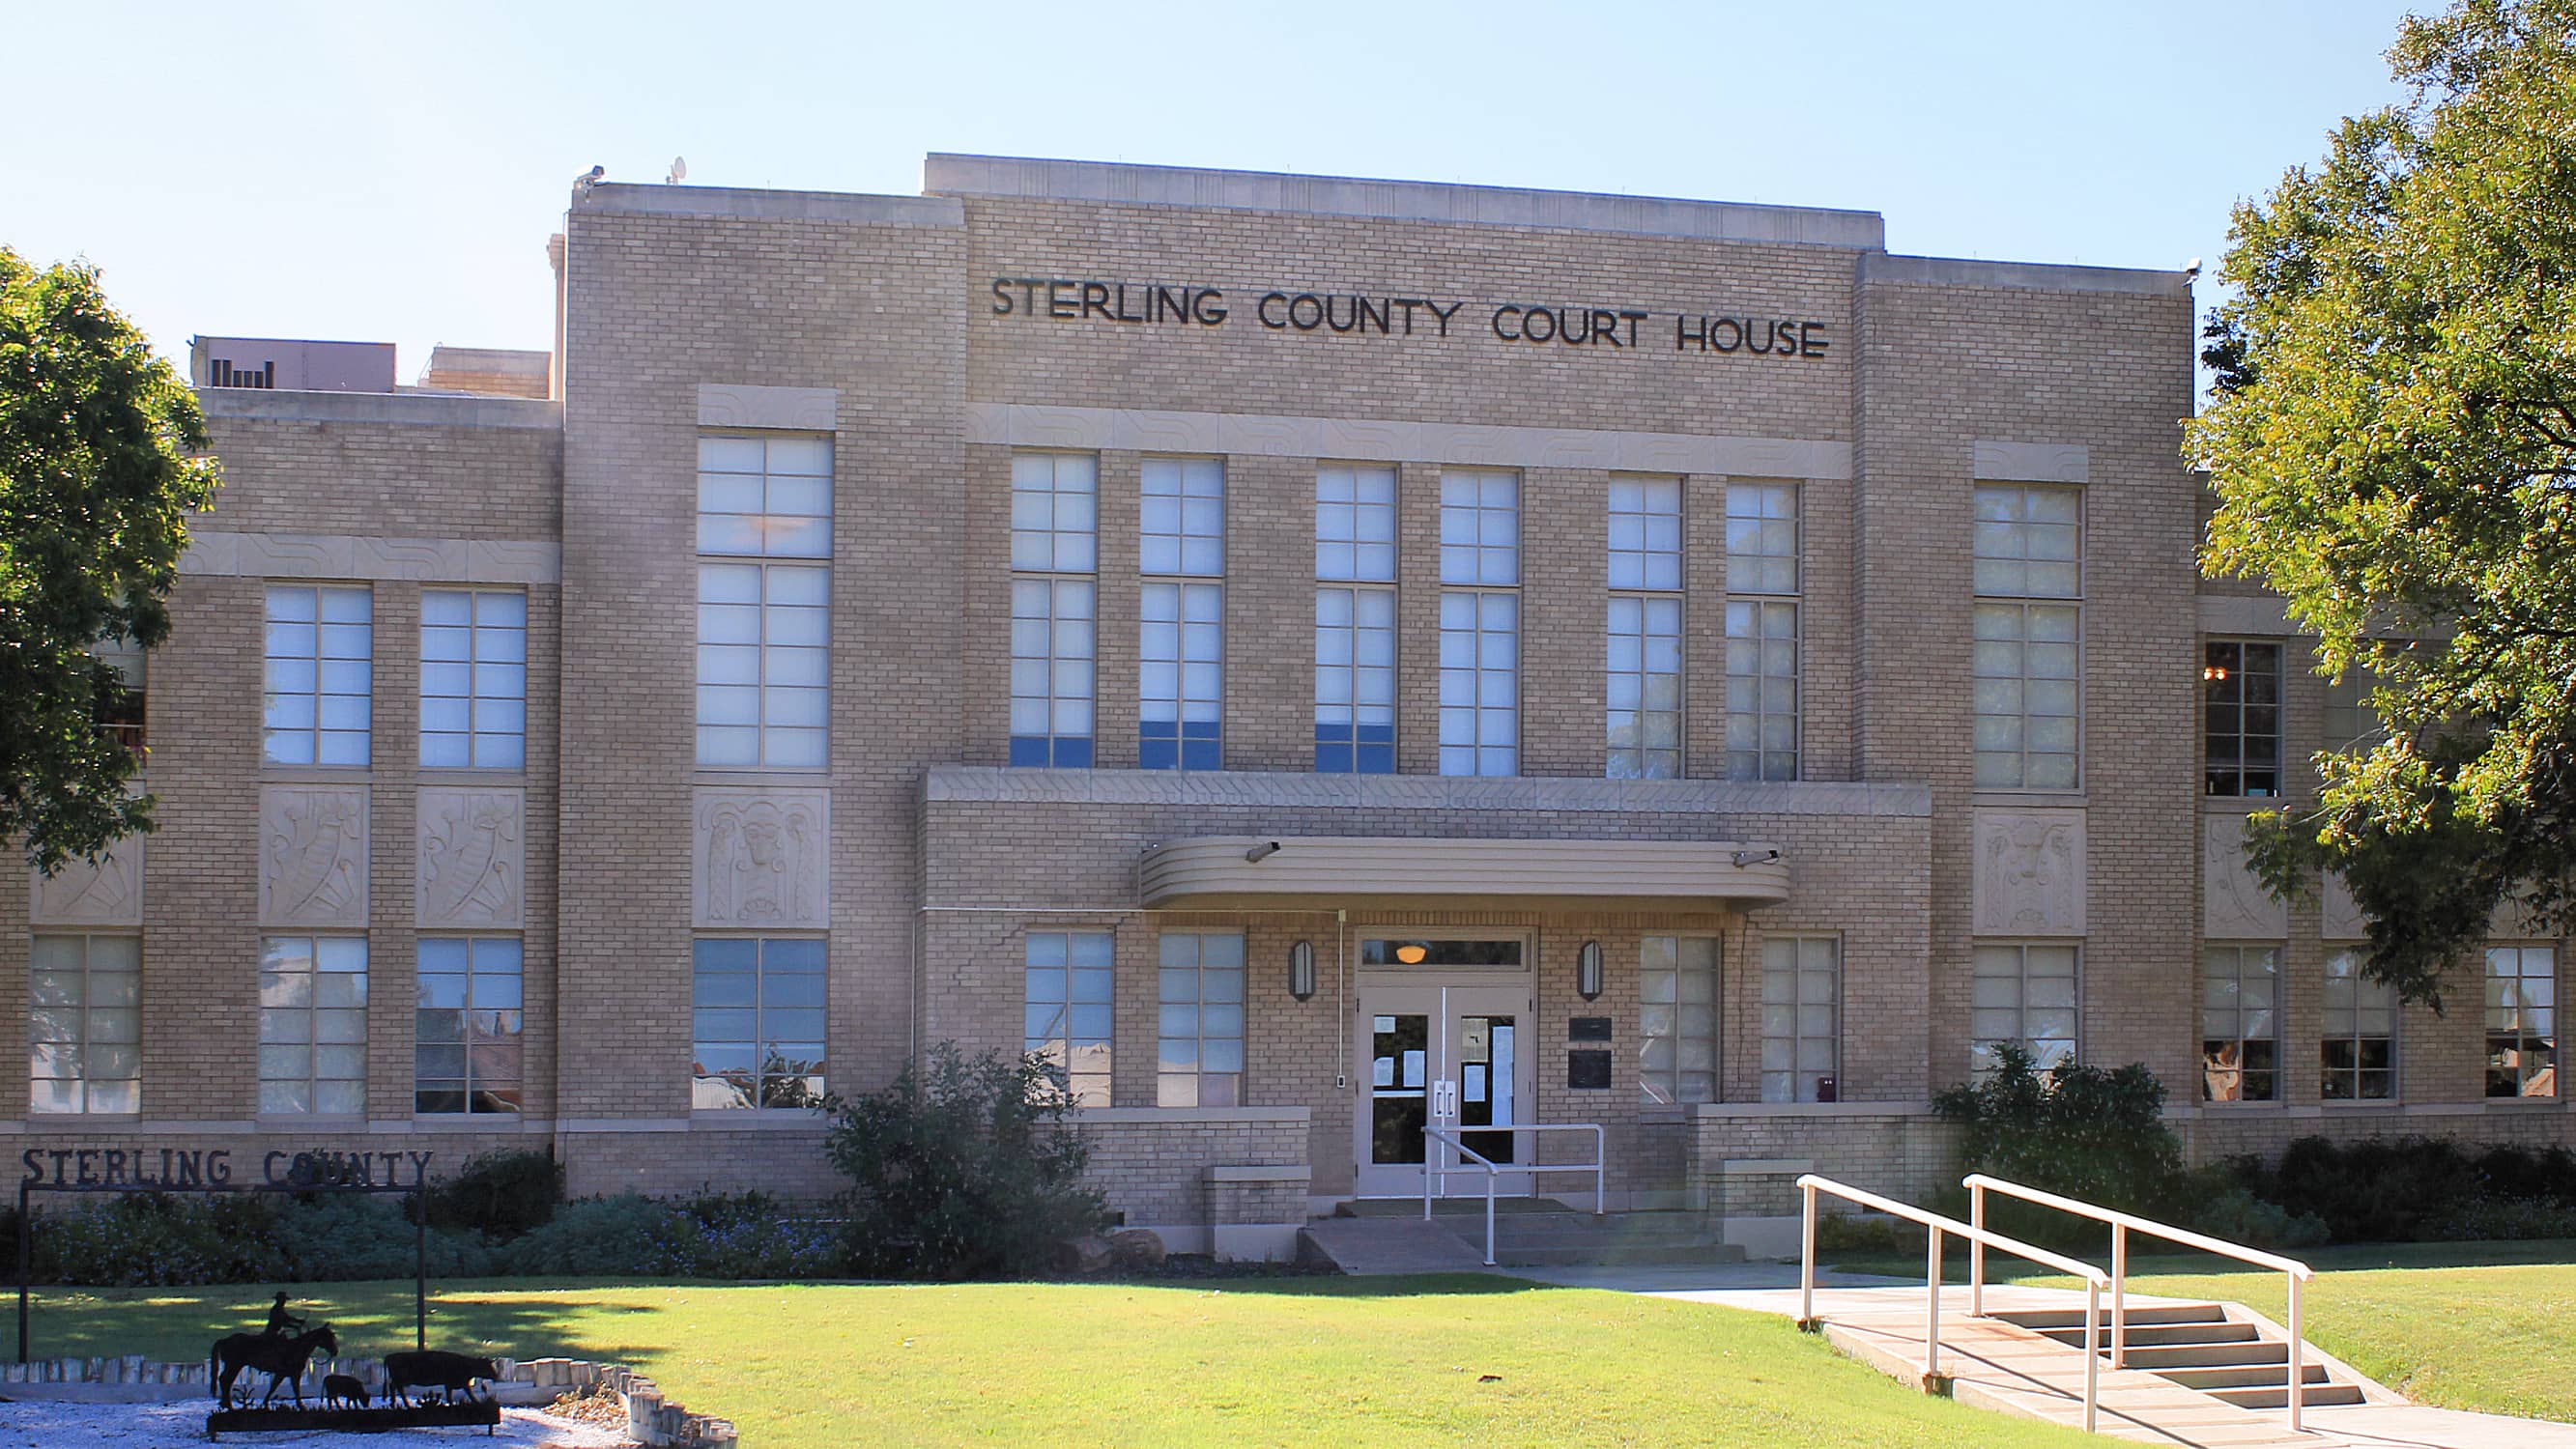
1262	852
589	178
2191	269
1744	858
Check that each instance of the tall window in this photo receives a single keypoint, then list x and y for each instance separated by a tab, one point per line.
2350	722
758	1038
84	1024
1054	576
2022	995
2240	687
1762	631
1480	623
473	679
2239	1027
764	629
118	710
1354	620
1201	1061
2028	651
320	675
313	1025
2360	1044
2522	1021
1677	1019
1069	1008
1645	644
467	1026
1180	676
1801	1018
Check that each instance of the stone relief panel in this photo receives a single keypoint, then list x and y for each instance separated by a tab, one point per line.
2234	905
2029	873
2339	917
471	869
108	892
763	858
313	855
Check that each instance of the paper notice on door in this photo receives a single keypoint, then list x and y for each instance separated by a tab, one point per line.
1412	1069
1475	1082
1382	1072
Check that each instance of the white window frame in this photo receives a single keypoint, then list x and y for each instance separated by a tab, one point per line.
2238	679
1644	695
2351	1002
278	1034
1998	998
2019	578
1480	681
1678	1018
1055	548
299	701
2530	1025
2231	1016
490	1016
1200	1031
722	1091
1797	1029
1765	537
1349	688
1180	607
1075	1026
494	652
100	1035
789	690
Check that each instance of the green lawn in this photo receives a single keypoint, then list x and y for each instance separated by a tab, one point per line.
2488	1326
1312	1361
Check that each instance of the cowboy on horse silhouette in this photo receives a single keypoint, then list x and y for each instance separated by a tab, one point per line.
282	1324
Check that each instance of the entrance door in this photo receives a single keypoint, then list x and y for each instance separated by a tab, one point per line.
1446	1056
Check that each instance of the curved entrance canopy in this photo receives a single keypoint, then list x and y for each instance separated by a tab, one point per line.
1341	870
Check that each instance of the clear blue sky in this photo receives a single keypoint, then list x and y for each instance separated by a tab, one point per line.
341	170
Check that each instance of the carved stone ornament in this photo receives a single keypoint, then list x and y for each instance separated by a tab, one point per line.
472	866
2235	904
313	855
107	893
763	858
2029	873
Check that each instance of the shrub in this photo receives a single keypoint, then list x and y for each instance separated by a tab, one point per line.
2488	1219
152	1240
2224	1210
968	1169
499	1194
2081	1131
2414	1189
610	1237
342	1236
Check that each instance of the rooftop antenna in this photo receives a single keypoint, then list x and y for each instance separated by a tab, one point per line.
679	171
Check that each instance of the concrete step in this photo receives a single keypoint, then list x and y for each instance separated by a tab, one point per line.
2158	1358
2157	1335
2278	1396
2140	1313
2242	1375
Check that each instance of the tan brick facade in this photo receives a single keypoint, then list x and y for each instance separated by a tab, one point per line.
931	339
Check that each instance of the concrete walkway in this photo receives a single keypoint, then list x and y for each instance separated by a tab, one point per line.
1997	1366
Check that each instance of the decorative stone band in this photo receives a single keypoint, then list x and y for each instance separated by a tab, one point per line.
344	556
1223	869
1382	440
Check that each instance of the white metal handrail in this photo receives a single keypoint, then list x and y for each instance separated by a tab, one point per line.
2123	1224
1432	1168
1979	1238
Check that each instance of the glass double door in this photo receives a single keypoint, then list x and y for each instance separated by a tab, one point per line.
1453	1056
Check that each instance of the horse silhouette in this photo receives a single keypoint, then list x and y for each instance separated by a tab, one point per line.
284	1360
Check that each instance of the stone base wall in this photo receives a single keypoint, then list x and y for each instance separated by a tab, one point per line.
1744	1160
1191	1172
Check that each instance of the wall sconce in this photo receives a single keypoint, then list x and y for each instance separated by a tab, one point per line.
1411	953
1301	970
1587	971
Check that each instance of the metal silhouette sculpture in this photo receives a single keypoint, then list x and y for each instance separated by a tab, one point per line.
435	1368
284	1358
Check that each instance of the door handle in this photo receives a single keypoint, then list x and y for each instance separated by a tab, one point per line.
1444	1100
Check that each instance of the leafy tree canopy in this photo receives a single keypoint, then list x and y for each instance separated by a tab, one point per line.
101	460
2393	446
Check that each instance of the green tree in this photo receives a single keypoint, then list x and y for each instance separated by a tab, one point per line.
101	460
2392	441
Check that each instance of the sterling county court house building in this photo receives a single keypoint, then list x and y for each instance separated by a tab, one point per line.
1315	658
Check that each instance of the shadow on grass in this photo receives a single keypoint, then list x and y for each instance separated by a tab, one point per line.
556	1317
